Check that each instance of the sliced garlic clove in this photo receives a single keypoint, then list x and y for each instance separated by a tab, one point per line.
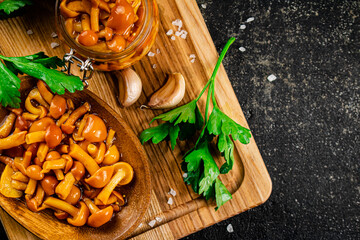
130	87
170	94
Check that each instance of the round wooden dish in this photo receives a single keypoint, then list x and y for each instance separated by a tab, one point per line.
47	226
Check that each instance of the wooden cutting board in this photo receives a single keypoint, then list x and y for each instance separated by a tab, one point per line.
249	180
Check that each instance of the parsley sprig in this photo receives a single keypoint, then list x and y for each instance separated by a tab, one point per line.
199	165
39	66
9	6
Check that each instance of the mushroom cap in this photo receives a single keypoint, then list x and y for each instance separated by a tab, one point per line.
95	129
81	217
100	217
78	170
127	168
101	177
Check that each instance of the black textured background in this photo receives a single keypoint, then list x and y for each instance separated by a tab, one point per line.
306	122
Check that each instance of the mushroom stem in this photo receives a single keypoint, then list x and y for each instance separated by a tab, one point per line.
61	205
92	207
79	154
54	164
63	189
107	190
68	127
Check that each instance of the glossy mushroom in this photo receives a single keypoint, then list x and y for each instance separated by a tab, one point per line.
98	217
79	215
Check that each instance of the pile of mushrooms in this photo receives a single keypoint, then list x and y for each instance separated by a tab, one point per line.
62	158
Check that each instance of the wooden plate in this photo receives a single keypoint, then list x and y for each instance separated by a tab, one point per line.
46	226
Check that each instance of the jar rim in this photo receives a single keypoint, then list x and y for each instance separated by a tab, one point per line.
86	52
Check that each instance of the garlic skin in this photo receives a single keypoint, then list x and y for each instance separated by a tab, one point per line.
130	87
170	94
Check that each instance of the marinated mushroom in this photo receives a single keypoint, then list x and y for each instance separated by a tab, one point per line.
98	217
79	215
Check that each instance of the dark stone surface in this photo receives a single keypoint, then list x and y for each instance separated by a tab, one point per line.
306	122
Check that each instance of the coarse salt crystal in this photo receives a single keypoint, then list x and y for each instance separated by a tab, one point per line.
242	49
183	36
230	228
151	54
177	33
178	23
29	32
203	5
159	219
157	51
140	225
172	192
242	27
185	175
170	201
154	66
192	60
54	44
192	56
250	19
172	38
152	223
271	77
169	32
54	35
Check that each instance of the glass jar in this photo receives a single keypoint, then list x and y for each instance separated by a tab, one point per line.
110	61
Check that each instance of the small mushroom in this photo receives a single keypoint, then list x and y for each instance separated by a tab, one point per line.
57	106
41	125
78	170
49	184
74	195
34	203
123	175
101	177
44	92
98	217
34	172
79	216
5	184
68	127
6	127
112	156
53	136
95	129
63	189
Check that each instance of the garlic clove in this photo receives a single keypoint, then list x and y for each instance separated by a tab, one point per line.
170	94
130	87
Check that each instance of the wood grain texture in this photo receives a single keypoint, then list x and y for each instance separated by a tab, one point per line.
248	181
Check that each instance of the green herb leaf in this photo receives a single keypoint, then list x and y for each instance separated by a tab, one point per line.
160	133
222	195
226	148
219	123
9	85
36	66
189	113
9	6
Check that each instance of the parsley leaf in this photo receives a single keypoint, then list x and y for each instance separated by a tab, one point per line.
226	148
219	123
9	6
38	66
9	85
222	195
161	132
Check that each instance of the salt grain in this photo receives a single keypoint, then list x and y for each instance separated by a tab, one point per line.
250	19
185	175
159	219
242	27
173	38
271	78
172	192
230	228
177	33
192	60
154	66
140	225
203	5
152	223
54	35
183	36
192	56
151	54
170	32
29	32
157	51
170	201
242	49
54	44
178	23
